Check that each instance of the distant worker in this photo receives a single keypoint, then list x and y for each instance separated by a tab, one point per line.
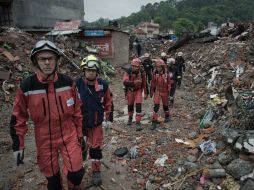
97	111
138	47
51	101
174	71
164	57
180	63
148	66
160	89
134	81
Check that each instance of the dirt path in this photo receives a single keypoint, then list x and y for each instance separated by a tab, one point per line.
120	173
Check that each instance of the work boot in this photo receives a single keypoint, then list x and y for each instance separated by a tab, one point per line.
129	121
96	178
167	119
138	126
154	125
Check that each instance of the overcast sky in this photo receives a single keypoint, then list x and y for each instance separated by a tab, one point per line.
112	9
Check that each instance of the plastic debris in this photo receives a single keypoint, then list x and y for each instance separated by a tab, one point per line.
134	152
161	161
208	147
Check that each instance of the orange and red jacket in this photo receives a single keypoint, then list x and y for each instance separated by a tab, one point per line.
54	107
161	83
135	82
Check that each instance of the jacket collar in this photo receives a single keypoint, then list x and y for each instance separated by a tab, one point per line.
41	77
96	84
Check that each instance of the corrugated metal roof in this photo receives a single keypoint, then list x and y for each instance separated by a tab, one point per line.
63	32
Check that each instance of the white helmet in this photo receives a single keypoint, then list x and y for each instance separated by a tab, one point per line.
180	54
171	61
146	55
163	54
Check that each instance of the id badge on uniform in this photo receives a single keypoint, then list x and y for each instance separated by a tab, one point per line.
70	102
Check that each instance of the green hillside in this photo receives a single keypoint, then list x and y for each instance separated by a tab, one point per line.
192	15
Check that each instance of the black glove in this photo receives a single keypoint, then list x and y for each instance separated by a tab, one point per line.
19	156
129	84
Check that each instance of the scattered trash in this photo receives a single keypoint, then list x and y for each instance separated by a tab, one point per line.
121	152
161	161
134	152
208	147
182	141
207	118
5	75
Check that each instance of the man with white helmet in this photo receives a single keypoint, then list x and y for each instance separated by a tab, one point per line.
51	101
181	67
164	57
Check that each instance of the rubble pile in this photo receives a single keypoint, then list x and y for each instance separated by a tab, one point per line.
220	71
224	70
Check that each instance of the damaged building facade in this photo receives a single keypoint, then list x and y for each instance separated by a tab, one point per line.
30	14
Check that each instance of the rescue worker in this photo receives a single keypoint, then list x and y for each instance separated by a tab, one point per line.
134	81
164	57
148	66
174	72
181	67
96	109
51	101
138	47
160	89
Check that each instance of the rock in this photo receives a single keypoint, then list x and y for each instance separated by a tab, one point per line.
194	152
225	158
215	165
193	135
230	184
151	178
120	152
239	144
216	173
248	143
220	145
141	181
230	134
150	186
199	188
248	184
239	168
191	158
157	179
191	165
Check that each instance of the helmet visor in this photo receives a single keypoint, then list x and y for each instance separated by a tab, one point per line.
42	43
92	65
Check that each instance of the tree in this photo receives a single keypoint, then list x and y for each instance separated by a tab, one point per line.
183	25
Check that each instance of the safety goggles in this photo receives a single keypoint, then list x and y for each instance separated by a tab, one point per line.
92	64
40	44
